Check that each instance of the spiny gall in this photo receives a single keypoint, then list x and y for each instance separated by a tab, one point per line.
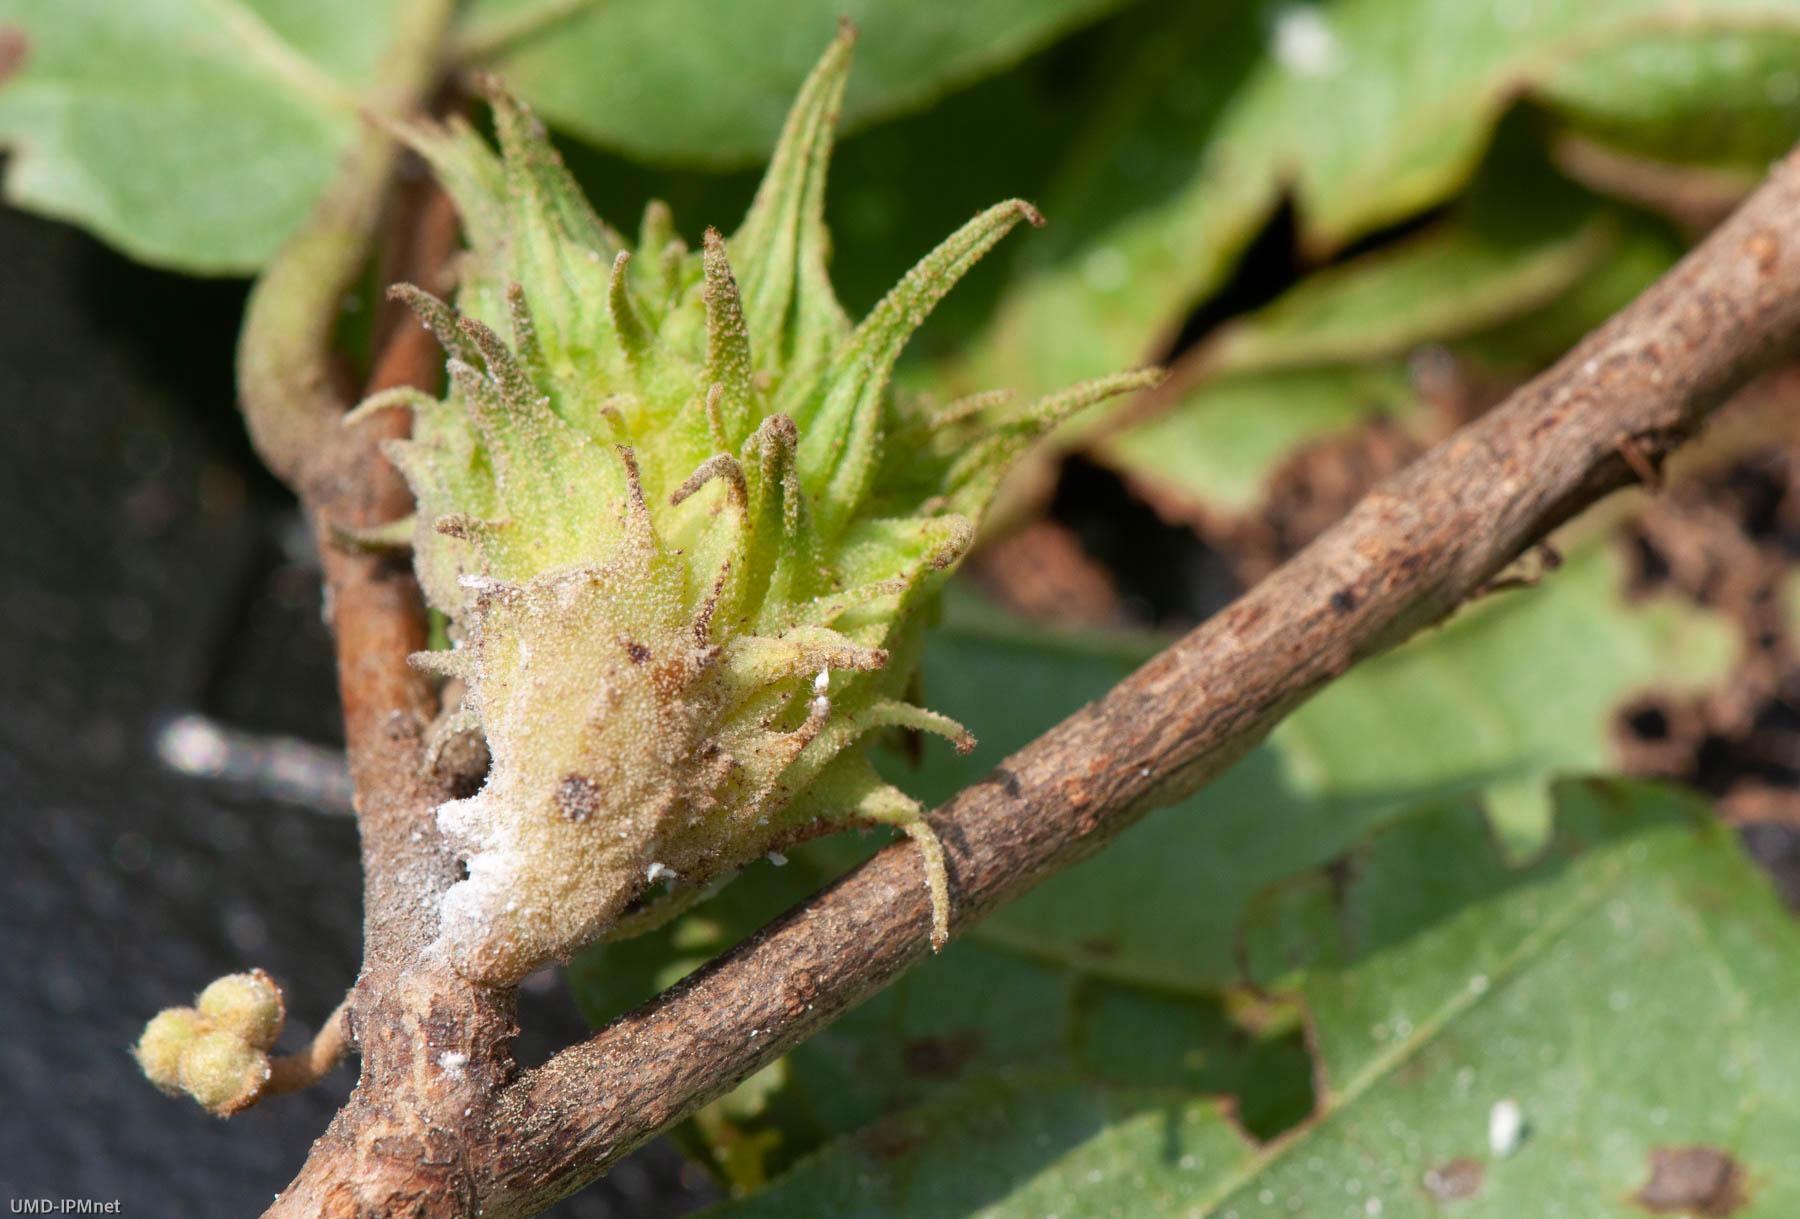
685	534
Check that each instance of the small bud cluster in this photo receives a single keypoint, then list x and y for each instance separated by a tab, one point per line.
685	533
218	1050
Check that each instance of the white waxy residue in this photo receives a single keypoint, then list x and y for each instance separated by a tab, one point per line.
1303	43
1506	1127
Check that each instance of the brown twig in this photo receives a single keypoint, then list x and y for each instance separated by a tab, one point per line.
303	1068
443	1124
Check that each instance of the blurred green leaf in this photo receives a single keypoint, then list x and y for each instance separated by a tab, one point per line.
1507	694
195	134
1629	993
1721	95
1641	252
1210	455
1518	271
968	1012
1512	690
700	83
1521	238
1365	112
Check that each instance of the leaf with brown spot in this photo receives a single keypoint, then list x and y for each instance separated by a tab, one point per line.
1636	979
15	45
1455	1180
942	1057
1696	1180
1508	693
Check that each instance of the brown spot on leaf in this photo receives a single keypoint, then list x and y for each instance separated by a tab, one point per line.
1100	946
578	797
1694	1180
886	1142
1455	1180
940	1057
15	49
1340	875
637	651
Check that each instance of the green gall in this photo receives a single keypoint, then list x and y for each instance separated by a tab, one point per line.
224	1073
248	1005
164	1040
685	532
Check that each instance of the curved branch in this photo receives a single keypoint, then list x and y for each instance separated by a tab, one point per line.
285	352
1405	557
304	1068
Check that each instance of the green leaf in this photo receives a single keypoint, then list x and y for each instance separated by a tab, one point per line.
1519	240
967	1012
195	134
1719	98
1630	992
1364	112
1522	268
1211	454
700	83
1513	690
1525	345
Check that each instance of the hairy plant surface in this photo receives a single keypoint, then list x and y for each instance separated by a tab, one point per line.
684	533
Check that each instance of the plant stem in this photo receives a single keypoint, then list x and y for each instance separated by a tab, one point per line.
303	1068
286	375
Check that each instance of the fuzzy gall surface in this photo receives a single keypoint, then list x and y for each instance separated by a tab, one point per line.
218	1050
685	534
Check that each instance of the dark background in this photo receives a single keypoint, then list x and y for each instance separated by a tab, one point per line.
149	569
